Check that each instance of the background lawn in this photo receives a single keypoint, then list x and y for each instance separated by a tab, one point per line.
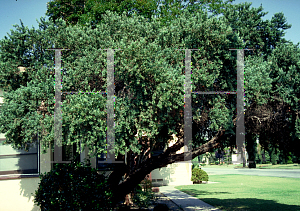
258	166
243	192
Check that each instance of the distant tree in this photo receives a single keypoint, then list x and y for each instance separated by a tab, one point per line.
91	11
261	35
261	93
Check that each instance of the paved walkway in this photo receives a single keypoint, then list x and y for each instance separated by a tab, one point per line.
187	202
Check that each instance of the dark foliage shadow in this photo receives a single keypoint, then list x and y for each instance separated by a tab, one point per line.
195	192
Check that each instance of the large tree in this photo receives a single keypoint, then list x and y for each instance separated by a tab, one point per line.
149	87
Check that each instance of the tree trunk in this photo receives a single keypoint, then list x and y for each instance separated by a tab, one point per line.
251	149
121	189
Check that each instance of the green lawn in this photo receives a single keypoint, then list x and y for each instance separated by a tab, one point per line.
259	166
243	192
270	166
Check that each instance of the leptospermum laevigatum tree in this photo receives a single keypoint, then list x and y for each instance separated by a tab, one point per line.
149	88
261	35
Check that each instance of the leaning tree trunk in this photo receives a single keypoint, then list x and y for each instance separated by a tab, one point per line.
251	149
121	189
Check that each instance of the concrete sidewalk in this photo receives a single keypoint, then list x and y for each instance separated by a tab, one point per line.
187	202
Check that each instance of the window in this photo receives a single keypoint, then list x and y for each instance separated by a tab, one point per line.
13	161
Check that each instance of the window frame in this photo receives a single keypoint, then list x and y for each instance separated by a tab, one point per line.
25	173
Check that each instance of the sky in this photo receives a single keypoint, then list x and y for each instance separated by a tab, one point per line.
11	11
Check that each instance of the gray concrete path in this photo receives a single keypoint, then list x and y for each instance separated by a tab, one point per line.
185	201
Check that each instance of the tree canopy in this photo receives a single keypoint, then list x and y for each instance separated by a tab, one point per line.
149	84
91	11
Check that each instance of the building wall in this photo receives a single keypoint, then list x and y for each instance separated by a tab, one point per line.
179	173
17	193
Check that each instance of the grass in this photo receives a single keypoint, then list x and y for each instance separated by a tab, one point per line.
283	166
219	166
258	166
244	192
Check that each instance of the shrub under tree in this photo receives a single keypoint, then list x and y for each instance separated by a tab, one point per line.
73	187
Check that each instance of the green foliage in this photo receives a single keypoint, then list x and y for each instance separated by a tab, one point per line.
274	156
258	83
143	198
73	187
84	69
87	12
289	160
199	175
261	35
267	156
90	12
149	72
227	156
143	194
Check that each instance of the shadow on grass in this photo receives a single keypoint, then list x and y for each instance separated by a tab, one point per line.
195	192
249	204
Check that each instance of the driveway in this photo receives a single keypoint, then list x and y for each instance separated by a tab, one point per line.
291	173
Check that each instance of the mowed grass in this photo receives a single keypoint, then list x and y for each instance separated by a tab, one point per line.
283	166
244	192
258	166
220	166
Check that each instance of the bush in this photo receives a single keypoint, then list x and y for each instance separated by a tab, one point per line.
289	159
199	175
143	194
73	187
143	198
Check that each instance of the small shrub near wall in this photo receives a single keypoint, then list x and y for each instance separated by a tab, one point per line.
143	194
199	175
73	187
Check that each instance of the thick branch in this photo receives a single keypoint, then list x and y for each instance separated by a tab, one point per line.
213	143
157	162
